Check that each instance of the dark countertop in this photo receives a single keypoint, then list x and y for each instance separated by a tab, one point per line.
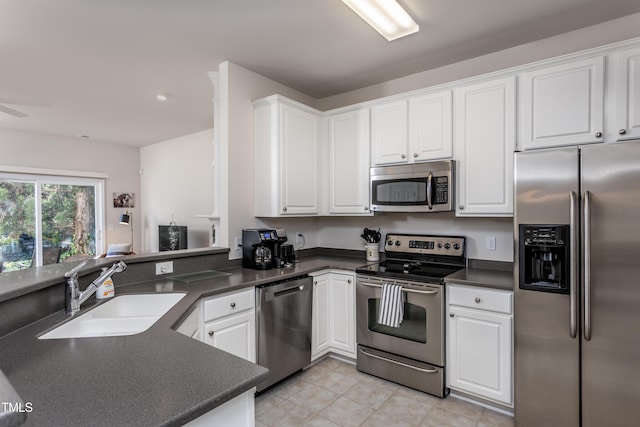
156	378
17	283
484	277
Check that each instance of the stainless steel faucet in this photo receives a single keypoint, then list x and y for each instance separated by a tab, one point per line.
73	298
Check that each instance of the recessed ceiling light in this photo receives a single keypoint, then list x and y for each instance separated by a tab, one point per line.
386	16
161	97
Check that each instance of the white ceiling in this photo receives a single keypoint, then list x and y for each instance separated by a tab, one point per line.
94	66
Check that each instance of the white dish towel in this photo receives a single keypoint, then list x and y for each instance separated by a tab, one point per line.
391	306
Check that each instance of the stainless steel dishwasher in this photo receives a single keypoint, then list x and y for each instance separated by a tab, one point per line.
283	327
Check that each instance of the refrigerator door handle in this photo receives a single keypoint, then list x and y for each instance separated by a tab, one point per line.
573	273
587	266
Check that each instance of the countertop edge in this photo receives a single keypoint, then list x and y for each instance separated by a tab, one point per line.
8	395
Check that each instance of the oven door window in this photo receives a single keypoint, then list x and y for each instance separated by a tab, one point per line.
413	326
410	191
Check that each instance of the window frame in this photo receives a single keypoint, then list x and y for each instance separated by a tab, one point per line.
72	178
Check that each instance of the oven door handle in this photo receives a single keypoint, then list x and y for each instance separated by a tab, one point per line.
415	291
428	371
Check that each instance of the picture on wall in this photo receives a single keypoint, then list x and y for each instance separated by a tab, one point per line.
124	200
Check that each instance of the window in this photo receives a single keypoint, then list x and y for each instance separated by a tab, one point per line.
49	219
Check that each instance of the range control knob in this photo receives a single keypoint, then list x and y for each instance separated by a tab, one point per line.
389	242
456	246
397	242
447	246
439	245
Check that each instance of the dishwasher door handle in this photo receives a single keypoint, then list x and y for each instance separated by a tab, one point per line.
289	291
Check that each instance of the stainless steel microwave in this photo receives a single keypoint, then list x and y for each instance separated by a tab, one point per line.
417	187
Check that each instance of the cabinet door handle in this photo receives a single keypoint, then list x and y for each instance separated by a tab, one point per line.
451	315
284	209
349	281
598	134
366	208
233	305
415	154
622	131
315	282
477	300
210	333
403	156
461	207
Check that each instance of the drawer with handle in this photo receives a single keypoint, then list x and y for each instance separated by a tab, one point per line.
480	298
228	304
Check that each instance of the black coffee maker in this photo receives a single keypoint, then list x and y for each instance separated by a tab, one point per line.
284	253
259	248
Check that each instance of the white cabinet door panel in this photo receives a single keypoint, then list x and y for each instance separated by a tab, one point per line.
349	160
483	148
628	95
480	353
430	126
389	141
342	319
234	334
299	148
320	338
562	105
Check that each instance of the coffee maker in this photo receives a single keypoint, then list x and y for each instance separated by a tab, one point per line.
284	253
259	248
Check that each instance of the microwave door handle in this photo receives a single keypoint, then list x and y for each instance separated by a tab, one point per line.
430	190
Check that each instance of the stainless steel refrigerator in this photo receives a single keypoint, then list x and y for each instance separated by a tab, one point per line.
577	288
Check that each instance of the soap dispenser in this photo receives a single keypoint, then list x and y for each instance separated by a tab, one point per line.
106	288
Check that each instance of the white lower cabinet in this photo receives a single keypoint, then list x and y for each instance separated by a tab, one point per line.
230	323
238	412
334	319
480	342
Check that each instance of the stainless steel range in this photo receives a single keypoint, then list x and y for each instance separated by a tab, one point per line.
411	352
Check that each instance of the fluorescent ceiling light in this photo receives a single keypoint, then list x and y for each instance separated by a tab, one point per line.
386	16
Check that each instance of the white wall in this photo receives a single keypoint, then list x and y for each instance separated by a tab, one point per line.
120	162
176	182
239	87
590	37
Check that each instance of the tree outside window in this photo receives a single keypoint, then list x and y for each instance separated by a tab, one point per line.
45	220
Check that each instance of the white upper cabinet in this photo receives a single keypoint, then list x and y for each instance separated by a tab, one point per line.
389	142
627	94
349	159
430	126
562	105
414	130
286	158
483	147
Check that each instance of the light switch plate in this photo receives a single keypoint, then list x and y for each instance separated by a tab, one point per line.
164	267
491	243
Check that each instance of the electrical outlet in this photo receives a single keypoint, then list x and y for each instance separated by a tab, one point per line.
238	243
491	243
164	267
299	238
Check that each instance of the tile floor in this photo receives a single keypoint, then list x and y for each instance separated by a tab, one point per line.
334	393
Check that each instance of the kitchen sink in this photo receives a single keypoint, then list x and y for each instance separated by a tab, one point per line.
123	315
